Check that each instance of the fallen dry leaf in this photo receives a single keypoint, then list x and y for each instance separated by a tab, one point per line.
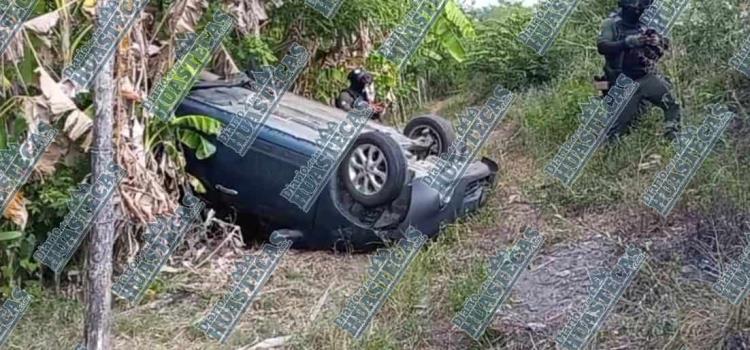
16	210
249	15
270	343
44	23
76	124
58	102
35	110
186	14
150	51
56	151
128	91
15	49
86	144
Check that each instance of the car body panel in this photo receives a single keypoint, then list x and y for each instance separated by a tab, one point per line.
284	144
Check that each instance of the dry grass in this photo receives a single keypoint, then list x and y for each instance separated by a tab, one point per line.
668	306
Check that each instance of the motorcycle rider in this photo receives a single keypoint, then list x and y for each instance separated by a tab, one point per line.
360	86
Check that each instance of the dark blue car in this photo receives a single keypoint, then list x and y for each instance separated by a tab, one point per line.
360	205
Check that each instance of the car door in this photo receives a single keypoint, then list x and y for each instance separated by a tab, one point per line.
252	183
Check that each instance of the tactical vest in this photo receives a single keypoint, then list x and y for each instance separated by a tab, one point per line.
613	65
347	96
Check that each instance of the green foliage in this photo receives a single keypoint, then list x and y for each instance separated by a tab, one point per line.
330	82
552	114
451	28
10	235
337	46
188	130
249	47
498	57
49	200
16	246
455	15
18	262
191	129
47	207
462	288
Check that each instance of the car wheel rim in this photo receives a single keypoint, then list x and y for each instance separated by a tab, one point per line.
368	169
429	136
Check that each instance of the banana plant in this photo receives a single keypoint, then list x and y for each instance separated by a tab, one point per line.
10	235
453	27
188	133
190	130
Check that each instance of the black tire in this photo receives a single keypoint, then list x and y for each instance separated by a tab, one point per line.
395	169
442	128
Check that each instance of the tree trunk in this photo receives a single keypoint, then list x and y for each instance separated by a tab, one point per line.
99	262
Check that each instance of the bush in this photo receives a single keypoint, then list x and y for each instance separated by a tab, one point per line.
498	57
47	207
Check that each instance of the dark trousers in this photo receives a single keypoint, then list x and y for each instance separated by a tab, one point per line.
653	89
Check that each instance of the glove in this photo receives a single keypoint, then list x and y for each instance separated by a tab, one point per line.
636	40
653	40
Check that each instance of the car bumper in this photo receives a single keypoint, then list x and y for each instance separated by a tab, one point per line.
427	212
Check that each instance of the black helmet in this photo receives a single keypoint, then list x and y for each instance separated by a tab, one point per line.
641	4
359	78
631	10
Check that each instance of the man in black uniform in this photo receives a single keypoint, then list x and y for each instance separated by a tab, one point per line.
632	49
360	86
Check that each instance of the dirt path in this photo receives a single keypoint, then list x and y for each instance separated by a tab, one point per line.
558	277
438	106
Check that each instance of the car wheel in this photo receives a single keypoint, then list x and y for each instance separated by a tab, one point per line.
433	130
374	170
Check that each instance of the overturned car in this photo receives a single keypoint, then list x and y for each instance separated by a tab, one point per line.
373	196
